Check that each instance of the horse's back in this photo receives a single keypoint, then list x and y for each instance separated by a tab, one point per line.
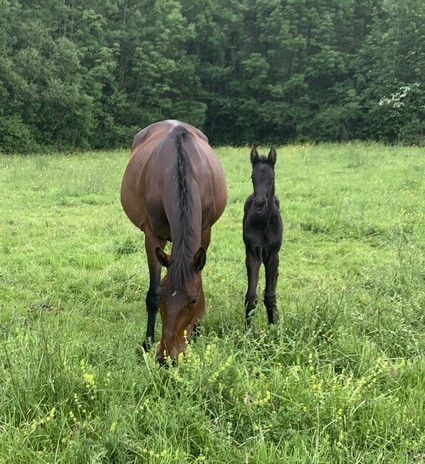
151	161
164	127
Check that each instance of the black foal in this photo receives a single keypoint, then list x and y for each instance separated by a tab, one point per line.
262	234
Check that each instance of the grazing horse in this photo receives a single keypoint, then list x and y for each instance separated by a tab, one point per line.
262	234
174	190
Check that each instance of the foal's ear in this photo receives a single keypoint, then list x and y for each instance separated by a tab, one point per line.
162	257
199	260
272	156
254	155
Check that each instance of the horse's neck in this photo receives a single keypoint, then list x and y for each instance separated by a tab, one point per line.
183	201
186	226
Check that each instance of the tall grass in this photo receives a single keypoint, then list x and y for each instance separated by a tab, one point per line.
340	379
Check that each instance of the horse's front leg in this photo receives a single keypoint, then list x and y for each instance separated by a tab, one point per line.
253	263
271	264
152	295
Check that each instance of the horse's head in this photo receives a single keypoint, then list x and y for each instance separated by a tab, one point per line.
181	301
262	179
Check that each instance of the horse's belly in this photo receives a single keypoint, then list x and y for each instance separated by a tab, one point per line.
133	207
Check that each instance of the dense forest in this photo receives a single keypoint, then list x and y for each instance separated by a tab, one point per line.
90	74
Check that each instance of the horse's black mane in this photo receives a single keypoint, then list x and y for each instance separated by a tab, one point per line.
181	265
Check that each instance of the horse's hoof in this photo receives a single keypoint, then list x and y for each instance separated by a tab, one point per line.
147	344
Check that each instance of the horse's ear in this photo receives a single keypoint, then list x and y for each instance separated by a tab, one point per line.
254	155
272	156
162	257
199	260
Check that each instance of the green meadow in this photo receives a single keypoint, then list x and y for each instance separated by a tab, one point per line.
340	378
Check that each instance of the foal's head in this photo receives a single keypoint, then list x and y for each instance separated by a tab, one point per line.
181	301
263	179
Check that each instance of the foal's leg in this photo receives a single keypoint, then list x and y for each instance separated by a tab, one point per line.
253	262
152	295
271	264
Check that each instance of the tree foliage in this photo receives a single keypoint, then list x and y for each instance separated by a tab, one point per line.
85	74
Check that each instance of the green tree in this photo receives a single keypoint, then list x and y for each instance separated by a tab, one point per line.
77	73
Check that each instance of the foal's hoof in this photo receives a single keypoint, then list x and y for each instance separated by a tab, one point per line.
147	343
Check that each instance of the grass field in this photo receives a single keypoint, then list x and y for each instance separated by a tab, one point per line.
340	379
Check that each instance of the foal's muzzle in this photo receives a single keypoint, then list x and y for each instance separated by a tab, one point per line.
260	205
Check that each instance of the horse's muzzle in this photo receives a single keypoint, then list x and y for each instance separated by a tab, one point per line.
260	205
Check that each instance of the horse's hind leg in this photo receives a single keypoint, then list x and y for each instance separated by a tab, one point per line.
271	264
253	262
152	295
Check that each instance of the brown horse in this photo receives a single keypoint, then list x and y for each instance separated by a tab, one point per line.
174	189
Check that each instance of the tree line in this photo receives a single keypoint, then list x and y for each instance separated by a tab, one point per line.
90	74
